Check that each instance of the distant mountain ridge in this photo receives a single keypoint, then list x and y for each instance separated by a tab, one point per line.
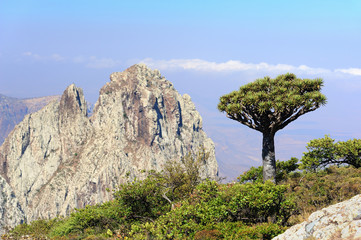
13	111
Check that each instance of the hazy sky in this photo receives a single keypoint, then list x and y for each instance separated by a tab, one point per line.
206	48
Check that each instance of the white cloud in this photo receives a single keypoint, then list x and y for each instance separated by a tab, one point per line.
229	66
54	57
32	55
27	53
198	65
90	62
79	59
352	71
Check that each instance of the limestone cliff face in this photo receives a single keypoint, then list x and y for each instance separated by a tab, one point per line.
58	158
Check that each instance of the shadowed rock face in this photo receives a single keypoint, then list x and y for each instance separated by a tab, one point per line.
13	110
58	158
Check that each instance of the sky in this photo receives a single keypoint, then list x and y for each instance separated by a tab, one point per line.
206	48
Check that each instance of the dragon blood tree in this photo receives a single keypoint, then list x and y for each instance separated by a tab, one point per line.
268	105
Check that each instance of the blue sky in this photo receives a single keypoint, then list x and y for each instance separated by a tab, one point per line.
206	48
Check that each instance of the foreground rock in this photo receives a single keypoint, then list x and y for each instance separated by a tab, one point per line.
58	158
339	221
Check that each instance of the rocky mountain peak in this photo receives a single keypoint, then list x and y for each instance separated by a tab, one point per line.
138	76
58	158
137	72
72	102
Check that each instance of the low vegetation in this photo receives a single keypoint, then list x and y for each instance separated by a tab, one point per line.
177	204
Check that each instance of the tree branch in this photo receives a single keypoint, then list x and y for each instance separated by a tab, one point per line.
244	120
297	115
148	218
166	198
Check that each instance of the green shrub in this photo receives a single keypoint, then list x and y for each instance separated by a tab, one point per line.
137	202
315	190
212	203
260	202
324	151
283	169
38	229
92	220
141	200
241	231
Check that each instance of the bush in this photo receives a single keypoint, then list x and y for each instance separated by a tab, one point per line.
212	203
315	190
241	231
141	200
91	220
37	229
137	202
260	202
323	152
283	168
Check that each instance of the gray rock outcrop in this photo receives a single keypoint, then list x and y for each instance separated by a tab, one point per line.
58	158
339	221
13	111
10	209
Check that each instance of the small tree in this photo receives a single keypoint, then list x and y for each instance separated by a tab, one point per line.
324	151
268	105
180	178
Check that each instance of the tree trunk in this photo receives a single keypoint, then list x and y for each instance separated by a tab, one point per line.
268	157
